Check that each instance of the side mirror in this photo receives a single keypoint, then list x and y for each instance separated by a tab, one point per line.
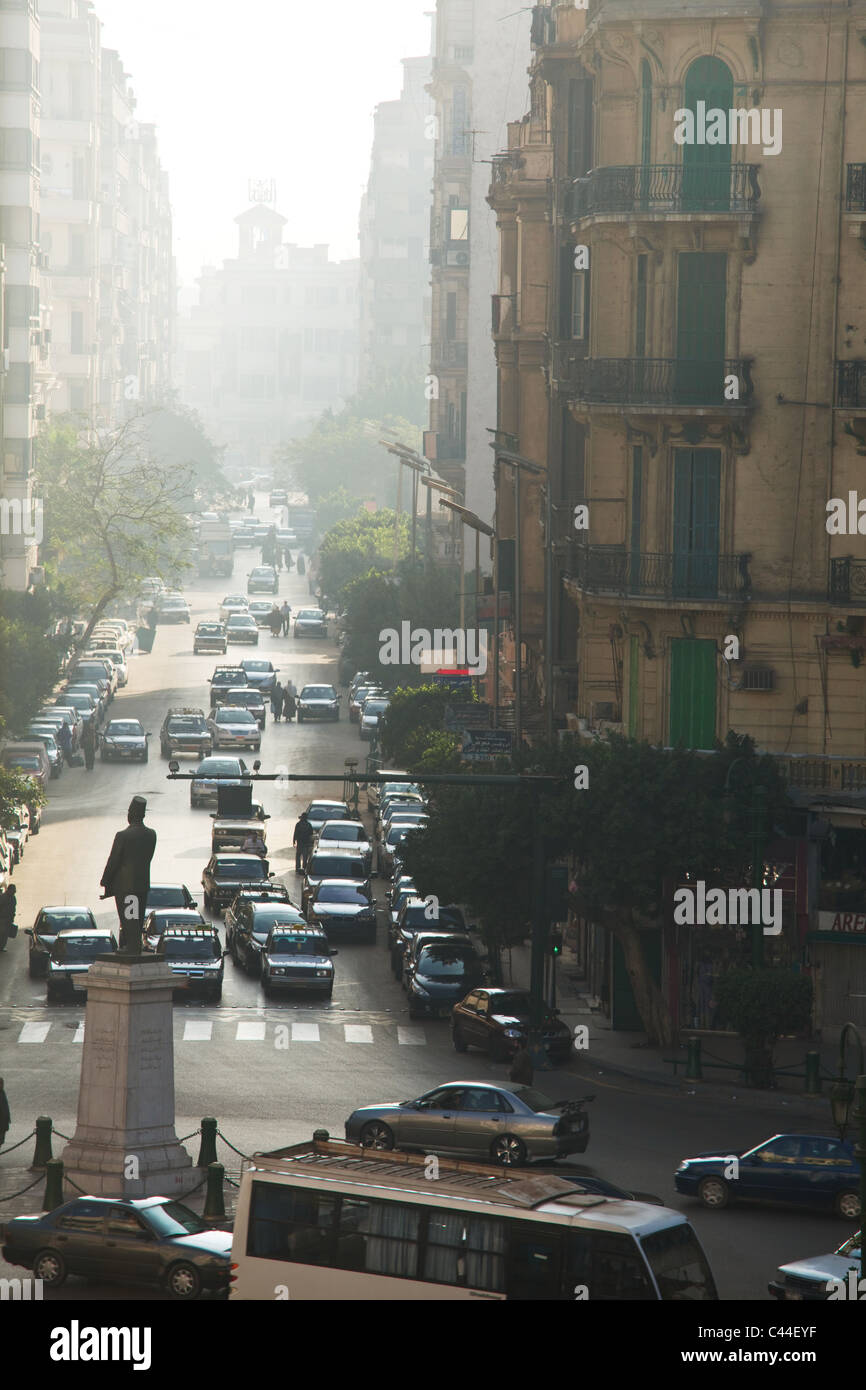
174	766
257	764
28	931
333	953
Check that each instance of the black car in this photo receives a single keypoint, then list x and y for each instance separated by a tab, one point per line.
225	874
146	1240
297	958
210	637
224	677
195	957
420	914
340	907
50	921
261	674
169	895
324	863
441	975
156	923
248	923
263	580
497	1020
71	957
185	731
123	740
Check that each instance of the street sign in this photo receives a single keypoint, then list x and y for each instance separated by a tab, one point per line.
455	680
467	716
482	745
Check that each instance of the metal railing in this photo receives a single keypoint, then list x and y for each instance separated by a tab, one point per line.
653	380
661	574
855	188
851	383
822	773
847	581
664	188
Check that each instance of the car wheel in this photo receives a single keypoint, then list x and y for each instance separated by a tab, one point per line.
376	1135
145	757
714	1193
183	1281
457	1039
50	1267
847	1205
508	1151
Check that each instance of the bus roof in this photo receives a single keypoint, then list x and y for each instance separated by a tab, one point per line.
334	1160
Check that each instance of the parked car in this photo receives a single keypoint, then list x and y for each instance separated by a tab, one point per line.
278	498
439	973
172	608
261	609
212	773
346	834
65	715
394	837
29	758
87	707
816	1277
185	730
476	1120
326	863
320	811
169	895
297	958
261	674
359	695
225	874
210	637
374	708
497	1020
318	702
70	958
46	734
195	958
232	727
341	906
156	922
249	920
376	790
17	828
123	739
310	622
231	604
810	1170
50	922
241	627
418	915
263	580
116	657
96	693
248	697
97	669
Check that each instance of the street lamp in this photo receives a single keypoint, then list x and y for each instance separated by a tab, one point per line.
480	528
412	460
430	482
518	462
842	1094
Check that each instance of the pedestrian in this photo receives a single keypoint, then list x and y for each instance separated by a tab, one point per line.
301	569
521	1066
287	556
64	742
7	914
275	621
290	705
277	696
5	1116
278	558
126	876
286	615
88	742
251	501
302	840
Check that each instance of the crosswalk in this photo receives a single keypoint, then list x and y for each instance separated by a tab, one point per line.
255	1030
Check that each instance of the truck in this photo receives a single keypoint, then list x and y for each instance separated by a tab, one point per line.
302	520
215	554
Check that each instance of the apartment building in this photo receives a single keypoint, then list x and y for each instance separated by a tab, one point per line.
394	294
272	343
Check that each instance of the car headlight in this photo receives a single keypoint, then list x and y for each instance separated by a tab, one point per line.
513	1033
276	970
419	989
684	1164
323	974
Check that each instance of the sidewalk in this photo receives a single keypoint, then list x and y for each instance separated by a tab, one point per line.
629	1054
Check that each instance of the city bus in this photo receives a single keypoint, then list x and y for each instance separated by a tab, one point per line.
326	1220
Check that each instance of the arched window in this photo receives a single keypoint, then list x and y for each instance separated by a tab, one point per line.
646	112
707	167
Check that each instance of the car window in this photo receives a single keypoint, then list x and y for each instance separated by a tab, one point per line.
786	1147
85	1217
483	1004
123	1222
478	1098
822	1148
443	1098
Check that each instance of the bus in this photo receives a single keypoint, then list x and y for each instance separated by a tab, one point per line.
326	1220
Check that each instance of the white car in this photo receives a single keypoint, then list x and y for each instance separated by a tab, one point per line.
117	659
232	726
118	629
233	603
242	627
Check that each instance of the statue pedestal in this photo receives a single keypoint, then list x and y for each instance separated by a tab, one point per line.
125	1144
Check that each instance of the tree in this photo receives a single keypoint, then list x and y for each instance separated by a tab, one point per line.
175	437
355	547
344	451
412	726
112	515
17	790
29	660
763	1005
375	604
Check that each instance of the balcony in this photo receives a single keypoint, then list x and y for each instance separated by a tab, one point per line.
603	569
503	314
825	774
450	354
847	581
851	384
855	189
660	189
654	382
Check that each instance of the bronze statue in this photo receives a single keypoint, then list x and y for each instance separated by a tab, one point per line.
127	875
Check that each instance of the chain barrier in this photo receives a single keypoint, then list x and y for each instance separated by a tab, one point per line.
13	1147
231	1182
9	1195
60	1134
232	1147
190	1136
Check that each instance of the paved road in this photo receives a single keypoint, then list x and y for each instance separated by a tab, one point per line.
273	1072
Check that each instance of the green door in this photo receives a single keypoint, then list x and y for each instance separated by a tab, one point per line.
697	488
709	87
693	693
633	686
701	294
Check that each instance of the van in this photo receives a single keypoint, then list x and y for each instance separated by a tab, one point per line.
28	758
376	790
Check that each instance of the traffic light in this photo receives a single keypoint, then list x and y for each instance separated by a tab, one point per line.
556	943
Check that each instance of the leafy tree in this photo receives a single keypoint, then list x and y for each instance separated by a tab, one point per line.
763	1005
175	437
356	546
344	451
29	660
375	603
413	723
17	790
340	505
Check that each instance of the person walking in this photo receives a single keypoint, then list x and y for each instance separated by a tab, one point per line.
275	621
64	743
277	695
302	840
521	1066
286	615
88	742
251	502
290	706
5	1116
8	906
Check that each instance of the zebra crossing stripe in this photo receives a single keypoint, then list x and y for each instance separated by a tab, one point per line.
412	1036
358	1032
78	1036
250	1032
34	1032
197	1030
305	1032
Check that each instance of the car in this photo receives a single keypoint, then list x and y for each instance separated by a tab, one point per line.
241	627
475	1120
118	629
212	773
497	1020
156	922
263	580
70	958
247	697
85	705
169	895
368	725
816	1277
810	1170
346	834
420	915
140	1240
30	759
401	890
150	587
438	974
195	957
394	837
326	863
123	739
232	832
226	678
361	678
359	695
47	735
233	727
310	622
278	498
318	702
50	921
225	874
185	730
297	958
320	811
261	609
117	659
342	906
172	608
233	603
59	714
376	790
96	688
210	637
248	922
260	673
94	668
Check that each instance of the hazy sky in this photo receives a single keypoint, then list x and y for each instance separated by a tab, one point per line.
263	88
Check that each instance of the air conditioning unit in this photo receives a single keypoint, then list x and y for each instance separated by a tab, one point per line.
758	678
457	258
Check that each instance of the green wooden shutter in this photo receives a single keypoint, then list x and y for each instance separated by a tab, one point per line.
697	491
693	693
633	685
636	509
707	168
701	298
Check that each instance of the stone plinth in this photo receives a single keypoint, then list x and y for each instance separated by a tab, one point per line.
125	1144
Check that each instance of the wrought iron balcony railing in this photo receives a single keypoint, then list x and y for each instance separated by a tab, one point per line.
660	188
847	581
851	383
653	381
855	191
603	569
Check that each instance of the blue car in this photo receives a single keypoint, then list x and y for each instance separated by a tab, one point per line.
809	1170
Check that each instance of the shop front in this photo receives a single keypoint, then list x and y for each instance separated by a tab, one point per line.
837	934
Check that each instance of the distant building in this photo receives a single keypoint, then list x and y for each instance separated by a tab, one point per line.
272	343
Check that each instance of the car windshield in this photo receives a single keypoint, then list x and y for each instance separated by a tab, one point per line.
240	868
323	810
173	1219
233	675
209	629
187	724
266	917
298	946
331	866
53	922
445	962
124	728
678	1264
239	620
161	920
341	893
313	613
166	897
245	697
82	947
375	707
350	834
190	948
258	666
230	715
318	692
218	767
20	760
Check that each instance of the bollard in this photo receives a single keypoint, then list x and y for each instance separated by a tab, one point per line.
207	1153
53	1184
321	1136
693	1062
42	1152
813	1073
214	1203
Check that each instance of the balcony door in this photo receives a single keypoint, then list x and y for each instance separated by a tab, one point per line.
707	168
701	297
697	489
693	693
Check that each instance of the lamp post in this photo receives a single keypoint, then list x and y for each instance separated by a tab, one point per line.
480	528
842	1094
759	816
413	460
518	462
430	483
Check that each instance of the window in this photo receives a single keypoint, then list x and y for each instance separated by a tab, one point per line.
17	148
85	1217
378	1237
76	251
76	331
640	309
484	1004
459	122
289	1223
16	226
17	68
468	1251
18	384
458	224
22	305
578	294
123	1222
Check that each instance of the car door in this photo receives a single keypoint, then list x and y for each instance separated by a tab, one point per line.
132	1253
773	1172
430	1122
481	1119
828	1168
79	1236
478	1023
467	1016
